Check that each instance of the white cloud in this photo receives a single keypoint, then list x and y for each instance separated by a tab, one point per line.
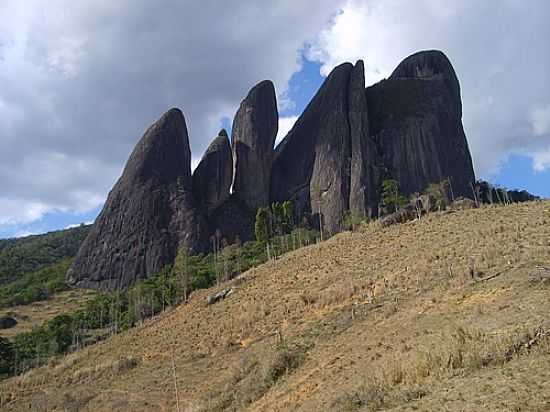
499	51
541	161
540	120
81	81
14	213
88	222
285	124
25	233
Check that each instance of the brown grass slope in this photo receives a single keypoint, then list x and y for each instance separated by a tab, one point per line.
36	313
447	313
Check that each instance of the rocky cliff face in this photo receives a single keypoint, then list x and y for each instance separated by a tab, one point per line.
213	176
254	131
416	118
149	212
333	161
312	163
366	168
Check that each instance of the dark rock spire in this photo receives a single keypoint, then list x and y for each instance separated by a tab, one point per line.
213	176
312	163
254	131
416	118
149	212
365	171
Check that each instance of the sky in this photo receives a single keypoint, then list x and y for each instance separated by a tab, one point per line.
81	81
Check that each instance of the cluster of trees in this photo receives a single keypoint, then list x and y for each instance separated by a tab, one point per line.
32	253
110	313
275	228
35	286
32	349
274	221
436	197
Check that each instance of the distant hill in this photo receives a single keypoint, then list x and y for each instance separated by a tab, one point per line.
32	253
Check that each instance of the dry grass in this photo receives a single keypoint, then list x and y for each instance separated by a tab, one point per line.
251	378
404	378
427	315
36	313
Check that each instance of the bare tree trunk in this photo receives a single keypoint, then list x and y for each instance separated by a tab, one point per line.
451	189
175	383
320	219
475	194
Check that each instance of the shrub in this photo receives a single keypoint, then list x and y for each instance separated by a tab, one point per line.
7	356
392	199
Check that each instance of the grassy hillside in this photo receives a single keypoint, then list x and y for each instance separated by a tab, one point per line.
31	253
447	313
33	315
32	279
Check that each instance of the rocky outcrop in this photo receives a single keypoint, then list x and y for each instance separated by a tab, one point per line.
254	131
333	161
488	194
366	169
416	118
232	220
213	176
312	163
7	322
149	212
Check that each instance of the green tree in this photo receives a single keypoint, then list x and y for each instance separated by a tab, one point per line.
60	332
353	219
278	216
288	213
317	193
436	196
7	357
261	226
181	271
391	198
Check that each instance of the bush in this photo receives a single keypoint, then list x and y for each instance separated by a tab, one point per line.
7	357
392	199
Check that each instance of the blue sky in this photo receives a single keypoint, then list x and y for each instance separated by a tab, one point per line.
81	81
516	173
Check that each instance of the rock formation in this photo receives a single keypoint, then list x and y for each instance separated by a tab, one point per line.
149	213
213	176
254	131
311	165
487	193
7	322
233	219
333	161
366	169
416	118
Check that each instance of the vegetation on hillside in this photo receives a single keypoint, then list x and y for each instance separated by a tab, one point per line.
35	286
31	253
110	313
447	312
